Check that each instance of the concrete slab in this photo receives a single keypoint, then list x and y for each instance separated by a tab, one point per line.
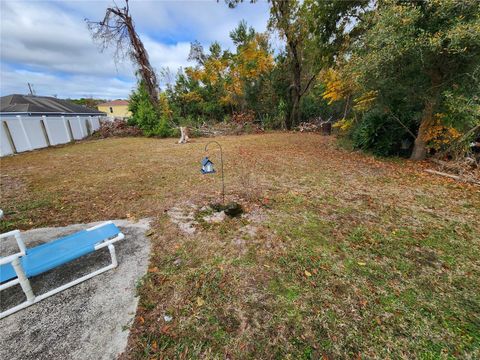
87	321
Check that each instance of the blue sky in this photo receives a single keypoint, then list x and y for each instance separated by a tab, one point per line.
47	43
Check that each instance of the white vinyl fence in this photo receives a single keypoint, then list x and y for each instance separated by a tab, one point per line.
24	133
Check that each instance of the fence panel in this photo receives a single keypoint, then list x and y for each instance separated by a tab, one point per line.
95	122
19	136
5	147
34	131
77	128
57	130
27	132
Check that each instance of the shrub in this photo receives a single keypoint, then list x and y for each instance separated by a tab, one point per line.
146	116
377	133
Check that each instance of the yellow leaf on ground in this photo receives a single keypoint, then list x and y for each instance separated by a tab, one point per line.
362	263
200	301
307	273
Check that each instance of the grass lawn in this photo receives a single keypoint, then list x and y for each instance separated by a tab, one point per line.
340	255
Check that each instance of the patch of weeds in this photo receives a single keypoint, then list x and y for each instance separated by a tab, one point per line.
289	293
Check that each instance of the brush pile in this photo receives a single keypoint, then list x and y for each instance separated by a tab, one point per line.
117	127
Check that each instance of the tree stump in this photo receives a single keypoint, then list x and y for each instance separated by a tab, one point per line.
183	135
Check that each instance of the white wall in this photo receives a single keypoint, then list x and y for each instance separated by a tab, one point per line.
34	131
78	131
19	135
57	130
27	132
5	147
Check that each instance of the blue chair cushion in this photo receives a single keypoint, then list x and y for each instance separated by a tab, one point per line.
55	253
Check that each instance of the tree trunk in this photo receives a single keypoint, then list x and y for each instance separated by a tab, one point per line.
420	149
294	113
297	84
183	135
148	74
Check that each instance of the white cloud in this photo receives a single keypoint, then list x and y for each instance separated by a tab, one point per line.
171	56
15	81
48	43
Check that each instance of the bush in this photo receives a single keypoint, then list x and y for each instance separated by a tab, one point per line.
162	129
144	114
377	133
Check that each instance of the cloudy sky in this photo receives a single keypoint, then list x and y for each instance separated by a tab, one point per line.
47	43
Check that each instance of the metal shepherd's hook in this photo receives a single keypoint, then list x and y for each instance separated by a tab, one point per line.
221	160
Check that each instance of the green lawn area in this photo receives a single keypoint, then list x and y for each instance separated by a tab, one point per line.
340	254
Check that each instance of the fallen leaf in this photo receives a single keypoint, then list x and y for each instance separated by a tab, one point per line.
361	263
307	273
200	301
150	233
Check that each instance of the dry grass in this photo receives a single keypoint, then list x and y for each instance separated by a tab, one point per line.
341	255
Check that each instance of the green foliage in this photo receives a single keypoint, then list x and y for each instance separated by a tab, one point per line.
152	121
379	134
382	68
88	102
420	59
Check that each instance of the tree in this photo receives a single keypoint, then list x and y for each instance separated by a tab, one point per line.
117	29
247	67
334	25
287	17
417	57
222	82
152	120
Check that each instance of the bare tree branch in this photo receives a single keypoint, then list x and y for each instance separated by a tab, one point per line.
117	29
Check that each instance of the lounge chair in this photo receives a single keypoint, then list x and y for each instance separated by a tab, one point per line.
18	268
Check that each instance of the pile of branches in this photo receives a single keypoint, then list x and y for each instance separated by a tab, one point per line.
241	123
307	127
465	171
224	128
117	127
243	117
461	161
315	125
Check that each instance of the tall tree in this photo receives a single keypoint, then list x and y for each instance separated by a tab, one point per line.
421	55
287	17
117	29
334	25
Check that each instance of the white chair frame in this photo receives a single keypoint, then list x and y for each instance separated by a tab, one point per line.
25	283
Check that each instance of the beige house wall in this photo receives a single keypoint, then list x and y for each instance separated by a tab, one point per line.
115	110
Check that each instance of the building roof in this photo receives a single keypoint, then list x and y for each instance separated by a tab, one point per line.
205	161
115	103
26	104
